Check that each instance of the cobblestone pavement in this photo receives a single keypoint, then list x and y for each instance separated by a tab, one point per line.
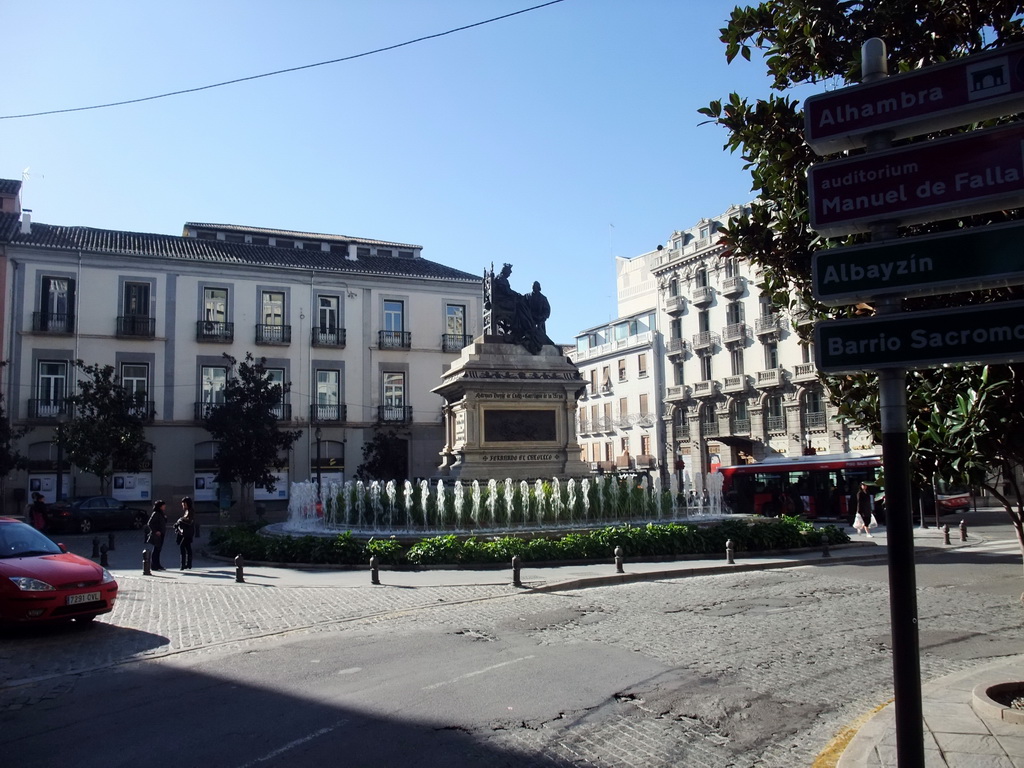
766	666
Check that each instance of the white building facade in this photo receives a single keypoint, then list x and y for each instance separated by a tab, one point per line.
362	329
739	383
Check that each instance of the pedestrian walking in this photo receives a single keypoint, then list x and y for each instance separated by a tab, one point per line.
37	512
157	533
864	511
187	529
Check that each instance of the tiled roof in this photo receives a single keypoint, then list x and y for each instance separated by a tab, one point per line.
241	229
217	251
9	187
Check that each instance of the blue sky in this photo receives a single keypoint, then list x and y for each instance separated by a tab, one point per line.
554	140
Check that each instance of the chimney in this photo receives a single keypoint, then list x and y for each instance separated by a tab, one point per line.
26	221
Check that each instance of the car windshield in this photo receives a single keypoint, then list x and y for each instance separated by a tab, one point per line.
20	540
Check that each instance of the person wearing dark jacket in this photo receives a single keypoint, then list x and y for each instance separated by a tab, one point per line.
187	529
157	533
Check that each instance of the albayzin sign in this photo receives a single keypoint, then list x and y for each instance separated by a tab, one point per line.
981	333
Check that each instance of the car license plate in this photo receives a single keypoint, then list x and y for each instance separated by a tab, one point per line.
85	597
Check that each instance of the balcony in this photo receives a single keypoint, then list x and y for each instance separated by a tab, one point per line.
706	340
677	393
740	383
394	414
202	410
135	327
682	432
805	372
705	388
814	420
213	330
273	334
675	305
776	424
321	414
455	342
772	377
676	346
741	426
282	411
734	333
767	325
709	428
143	410
394	340
703	295
326	336
48	409
57	323
734	286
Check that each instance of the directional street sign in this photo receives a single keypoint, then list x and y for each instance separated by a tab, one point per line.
967	260
981	333
971	173
959	92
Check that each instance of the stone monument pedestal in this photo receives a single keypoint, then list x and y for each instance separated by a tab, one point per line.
510	414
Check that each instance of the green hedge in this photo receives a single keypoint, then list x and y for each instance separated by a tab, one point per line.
637	542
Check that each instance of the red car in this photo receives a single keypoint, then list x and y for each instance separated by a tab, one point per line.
42	581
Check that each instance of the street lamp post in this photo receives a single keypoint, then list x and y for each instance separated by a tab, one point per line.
59	434
318	434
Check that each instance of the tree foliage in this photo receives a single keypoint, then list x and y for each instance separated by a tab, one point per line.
252	445
107	425
384	458
10	458
963	420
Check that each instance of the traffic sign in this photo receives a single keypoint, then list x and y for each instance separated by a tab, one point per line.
982	333
966	174
966	260
959	92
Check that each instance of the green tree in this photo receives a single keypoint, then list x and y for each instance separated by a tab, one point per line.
384	458
10	458
107	425
963	419
251	444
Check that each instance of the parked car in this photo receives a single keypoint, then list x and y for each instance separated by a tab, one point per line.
93	513
42	581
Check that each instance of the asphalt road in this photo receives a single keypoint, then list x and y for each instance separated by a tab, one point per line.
730	670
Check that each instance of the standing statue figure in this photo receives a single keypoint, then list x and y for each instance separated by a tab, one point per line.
510	315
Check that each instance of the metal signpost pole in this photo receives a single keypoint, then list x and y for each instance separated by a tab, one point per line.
892	401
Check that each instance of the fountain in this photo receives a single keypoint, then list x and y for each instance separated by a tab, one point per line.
495	506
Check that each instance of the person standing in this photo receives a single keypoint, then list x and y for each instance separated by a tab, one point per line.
37	512
861	522
157	533
187	528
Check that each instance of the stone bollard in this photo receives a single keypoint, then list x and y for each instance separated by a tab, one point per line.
963	530
374	571
945	534
95	546
729	553
239	568
824	545
517	580
103	555
619	560
146	571
110	542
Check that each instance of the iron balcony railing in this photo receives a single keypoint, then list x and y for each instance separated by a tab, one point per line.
53	322
328	413
394	340
47	409
706	340
766	324
814	419
325	336
734	332
215	330
455	342
136	326
703	295
394	414
273	334
776	423
741	426
281	411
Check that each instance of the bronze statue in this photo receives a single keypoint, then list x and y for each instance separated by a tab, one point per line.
511	316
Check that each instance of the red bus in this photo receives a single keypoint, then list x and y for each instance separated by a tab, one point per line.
814	486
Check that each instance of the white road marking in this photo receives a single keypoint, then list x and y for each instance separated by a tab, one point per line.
478	672
292	744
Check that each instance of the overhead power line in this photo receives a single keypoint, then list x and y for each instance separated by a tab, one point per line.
280	71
